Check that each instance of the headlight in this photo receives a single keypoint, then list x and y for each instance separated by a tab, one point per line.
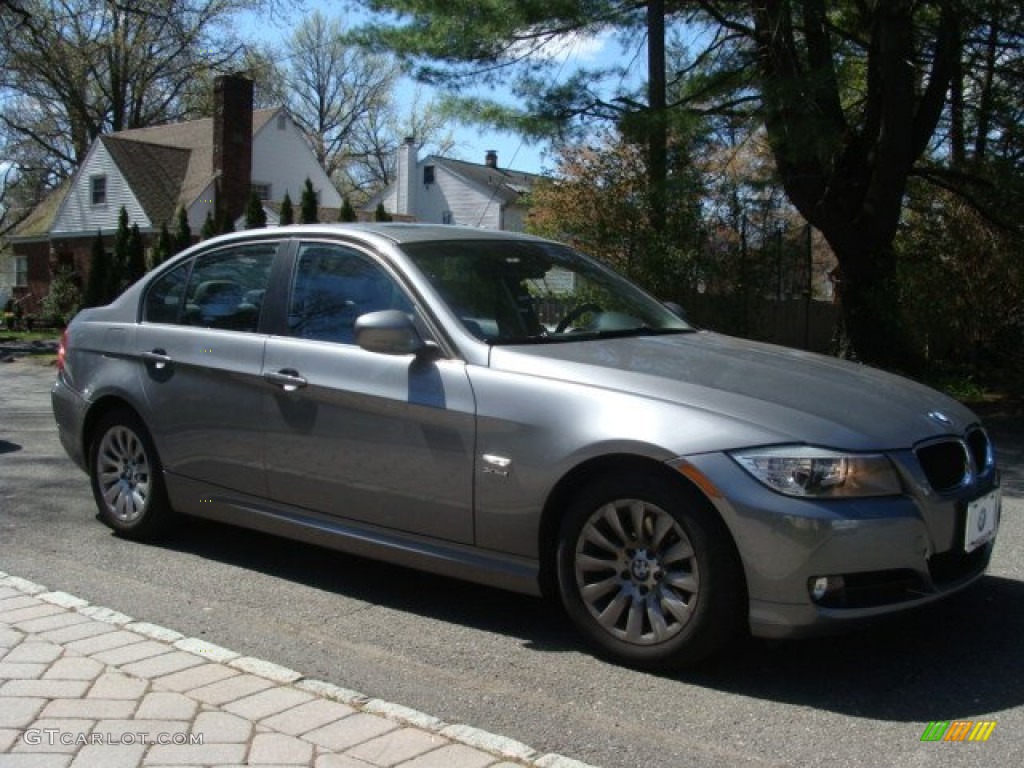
800	470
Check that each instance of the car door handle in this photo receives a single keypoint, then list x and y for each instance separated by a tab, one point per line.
158	357
287	378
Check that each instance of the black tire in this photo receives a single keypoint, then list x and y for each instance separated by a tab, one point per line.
647	572
127	478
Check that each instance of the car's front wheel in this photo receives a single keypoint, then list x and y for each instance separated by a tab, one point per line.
646	571
127	482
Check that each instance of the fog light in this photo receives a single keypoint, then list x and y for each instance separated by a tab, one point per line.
822	587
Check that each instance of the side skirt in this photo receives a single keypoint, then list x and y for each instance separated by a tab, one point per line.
494	569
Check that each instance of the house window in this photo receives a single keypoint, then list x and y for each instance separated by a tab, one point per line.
98	190
262	191
20	271
428	174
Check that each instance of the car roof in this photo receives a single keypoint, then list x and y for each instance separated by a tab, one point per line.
395	232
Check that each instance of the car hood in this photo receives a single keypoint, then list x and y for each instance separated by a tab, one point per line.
789	395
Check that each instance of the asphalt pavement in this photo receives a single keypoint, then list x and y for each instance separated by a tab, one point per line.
509	664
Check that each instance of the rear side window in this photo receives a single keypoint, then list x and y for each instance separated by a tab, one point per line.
335	285
163	300
224	289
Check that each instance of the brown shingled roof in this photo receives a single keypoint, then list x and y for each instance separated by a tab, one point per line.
40	220
195	136
155	173
165	165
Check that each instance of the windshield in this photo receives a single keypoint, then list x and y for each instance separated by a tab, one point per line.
514	292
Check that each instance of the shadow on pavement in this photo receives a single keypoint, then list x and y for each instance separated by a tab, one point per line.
946	660
537	622
7	447
949	660
12	349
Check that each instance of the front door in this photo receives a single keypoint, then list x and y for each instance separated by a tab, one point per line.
382	439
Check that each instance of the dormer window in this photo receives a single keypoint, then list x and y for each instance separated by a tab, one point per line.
428	174
98	190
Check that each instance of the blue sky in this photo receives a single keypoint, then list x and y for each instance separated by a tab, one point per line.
472	142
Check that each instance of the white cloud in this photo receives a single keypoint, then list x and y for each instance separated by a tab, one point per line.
577	46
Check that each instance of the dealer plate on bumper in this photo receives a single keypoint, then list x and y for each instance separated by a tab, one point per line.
982	520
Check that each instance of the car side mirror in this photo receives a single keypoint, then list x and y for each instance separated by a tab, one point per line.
390	332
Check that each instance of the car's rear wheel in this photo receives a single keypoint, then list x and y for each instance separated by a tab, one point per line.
646	571
127	481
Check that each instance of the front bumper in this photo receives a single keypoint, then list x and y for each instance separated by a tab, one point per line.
894	553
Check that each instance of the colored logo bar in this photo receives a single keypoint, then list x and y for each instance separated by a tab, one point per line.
958	730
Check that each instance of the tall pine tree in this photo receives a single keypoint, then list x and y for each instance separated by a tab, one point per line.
255	216
97	287
182	233
162	249
308	209
347	212
119	262
209	227
287	215
136	255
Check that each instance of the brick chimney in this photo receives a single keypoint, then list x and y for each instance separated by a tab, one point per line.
232	142
491	160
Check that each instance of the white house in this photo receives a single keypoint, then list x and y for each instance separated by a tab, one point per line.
204	166
446	191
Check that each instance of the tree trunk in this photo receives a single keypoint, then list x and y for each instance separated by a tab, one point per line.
657	128
846	169
872	309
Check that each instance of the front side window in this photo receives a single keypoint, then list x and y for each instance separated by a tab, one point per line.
332	287
514	291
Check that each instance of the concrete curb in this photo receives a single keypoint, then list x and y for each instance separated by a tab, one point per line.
500	747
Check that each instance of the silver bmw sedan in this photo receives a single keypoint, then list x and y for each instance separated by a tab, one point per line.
504	409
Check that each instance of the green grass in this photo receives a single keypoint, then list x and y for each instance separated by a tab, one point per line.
43	335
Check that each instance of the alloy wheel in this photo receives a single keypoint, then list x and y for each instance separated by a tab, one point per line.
123	474
637	572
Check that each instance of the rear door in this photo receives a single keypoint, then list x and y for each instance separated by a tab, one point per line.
201	351
382	439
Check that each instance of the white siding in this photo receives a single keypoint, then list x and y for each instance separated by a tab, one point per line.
449	193
283	159
200	208
77	214
514	218
390	200
451	199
